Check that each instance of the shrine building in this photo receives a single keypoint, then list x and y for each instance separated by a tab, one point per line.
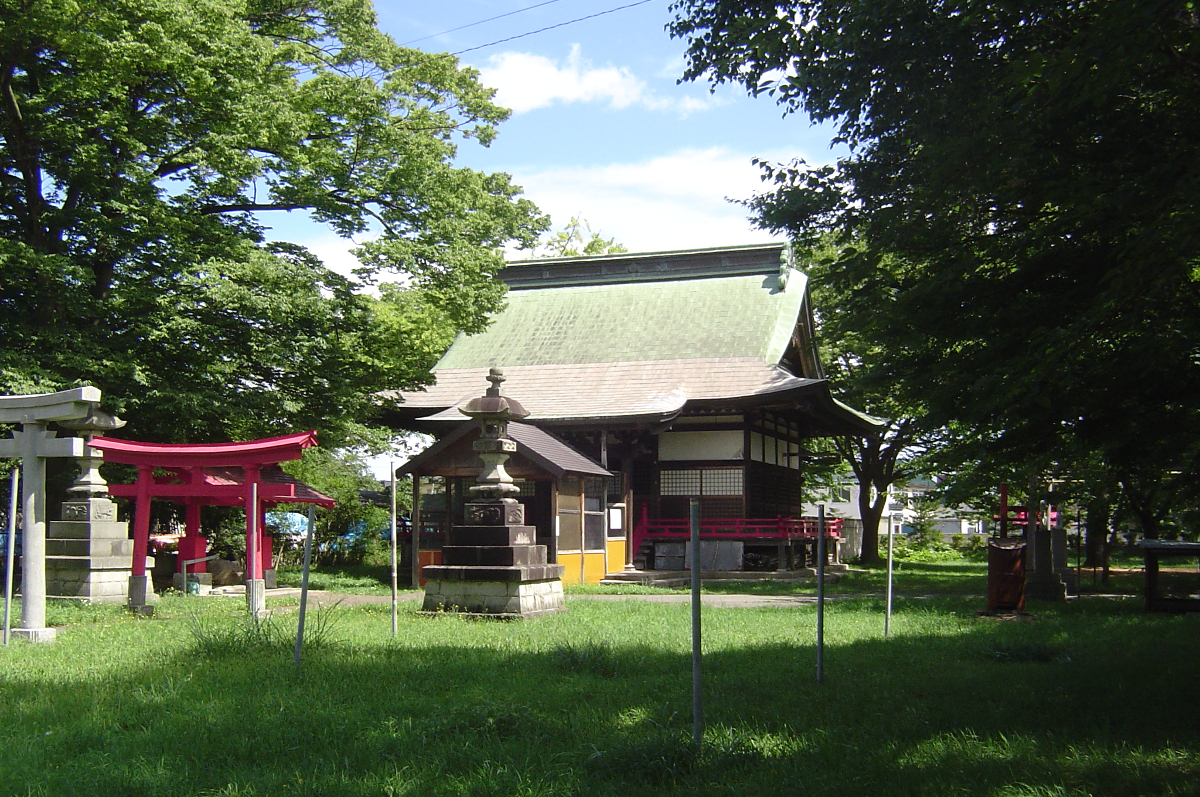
650	379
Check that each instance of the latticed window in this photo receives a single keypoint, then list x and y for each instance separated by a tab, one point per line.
680	482
720	491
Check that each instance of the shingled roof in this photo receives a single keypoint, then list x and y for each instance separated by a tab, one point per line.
639	338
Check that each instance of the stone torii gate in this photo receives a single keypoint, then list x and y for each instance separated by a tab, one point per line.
193	458
34	444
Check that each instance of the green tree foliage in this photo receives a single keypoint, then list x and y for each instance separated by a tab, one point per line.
848	352
578	239
143	142
343	475
1022	178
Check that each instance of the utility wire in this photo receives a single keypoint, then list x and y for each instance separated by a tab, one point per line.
552	27
480	22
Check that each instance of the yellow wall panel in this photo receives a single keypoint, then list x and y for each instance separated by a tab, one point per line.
570	563
593	568
616	555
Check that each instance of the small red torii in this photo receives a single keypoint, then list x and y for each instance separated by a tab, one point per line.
204	473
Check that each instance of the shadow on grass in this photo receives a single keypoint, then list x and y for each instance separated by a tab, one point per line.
1085	701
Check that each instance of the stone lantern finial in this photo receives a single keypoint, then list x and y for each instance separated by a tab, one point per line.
495	489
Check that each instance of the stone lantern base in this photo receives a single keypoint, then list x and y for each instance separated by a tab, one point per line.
494	571
88	553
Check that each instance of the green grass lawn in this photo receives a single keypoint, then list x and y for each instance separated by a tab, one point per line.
1091	698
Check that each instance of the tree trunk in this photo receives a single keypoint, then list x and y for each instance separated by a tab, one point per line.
870	512
1096	532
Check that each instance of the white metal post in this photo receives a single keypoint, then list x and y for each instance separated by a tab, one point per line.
13	501
887	617
308	539
697	692
392	469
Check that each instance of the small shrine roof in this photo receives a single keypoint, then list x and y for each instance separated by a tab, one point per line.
539	447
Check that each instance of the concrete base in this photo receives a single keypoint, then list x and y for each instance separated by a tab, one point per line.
256	597
500	599
35	634
1043	588
141	593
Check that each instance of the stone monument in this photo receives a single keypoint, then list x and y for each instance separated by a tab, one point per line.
490	565
88	552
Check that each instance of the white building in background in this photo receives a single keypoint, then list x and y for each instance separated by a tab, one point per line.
901	509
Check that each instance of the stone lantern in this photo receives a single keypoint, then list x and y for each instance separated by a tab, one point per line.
491	566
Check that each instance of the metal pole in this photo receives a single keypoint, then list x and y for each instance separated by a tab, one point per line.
820	593
887	617
188	562
697	699
414	530
308	538
392	468
13	501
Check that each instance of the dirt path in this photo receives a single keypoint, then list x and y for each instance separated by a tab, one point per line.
323	598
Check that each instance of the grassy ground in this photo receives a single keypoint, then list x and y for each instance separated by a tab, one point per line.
963	577
1091	698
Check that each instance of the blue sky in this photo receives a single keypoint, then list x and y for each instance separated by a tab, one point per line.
600	127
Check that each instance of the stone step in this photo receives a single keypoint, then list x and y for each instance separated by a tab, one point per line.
82	530
494	555
491	573
89	547
86	563
493	535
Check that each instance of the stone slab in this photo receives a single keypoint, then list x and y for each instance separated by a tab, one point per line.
489	573
35	634
494	555
89	547
496	599
82	530
95	510
493	535
91	563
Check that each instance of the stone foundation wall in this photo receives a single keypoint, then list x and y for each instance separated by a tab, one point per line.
522	598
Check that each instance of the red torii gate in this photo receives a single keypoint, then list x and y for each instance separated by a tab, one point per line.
200	474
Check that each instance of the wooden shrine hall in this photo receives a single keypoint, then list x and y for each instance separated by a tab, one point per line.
685	375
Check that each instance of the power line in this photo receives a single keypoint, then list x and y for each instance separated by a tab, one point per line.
552	27
480	22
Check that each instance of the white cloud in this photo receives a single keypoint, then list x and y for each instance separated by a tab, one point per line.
674	201
525	82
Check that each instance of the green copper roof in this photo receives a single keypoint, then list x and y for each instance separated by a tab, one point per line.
717	317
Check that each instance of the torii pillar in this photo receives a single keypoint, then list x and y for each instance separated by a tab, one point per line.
34	444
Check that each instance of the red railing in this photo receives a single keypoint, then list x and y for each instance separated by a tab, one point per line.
746	529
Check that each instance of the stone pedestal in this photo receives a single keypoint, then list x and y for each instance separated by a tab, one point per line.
1043	583
494	571
88	553
35	634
